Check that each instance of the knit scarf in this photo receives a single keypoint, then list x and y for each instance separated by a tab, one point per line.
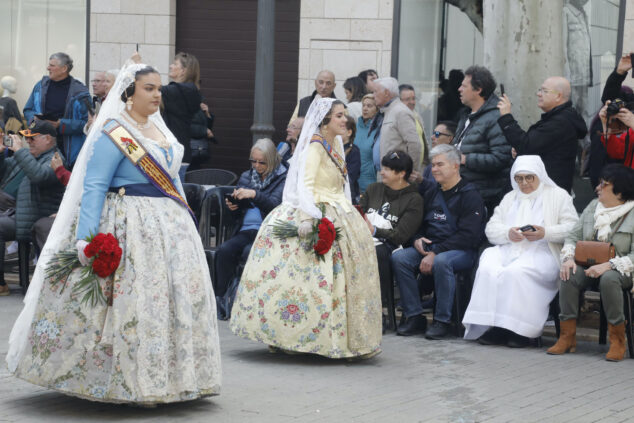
259	184
605	216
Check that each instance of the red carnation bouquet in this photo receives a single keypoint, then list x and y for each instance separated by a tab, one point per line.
321	237
105	255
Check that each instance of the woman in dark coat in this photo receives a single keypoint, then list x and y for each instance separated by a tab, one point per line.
181	101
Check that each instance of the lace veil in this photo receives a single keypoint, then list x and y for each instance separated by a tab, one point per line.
69	208
295	192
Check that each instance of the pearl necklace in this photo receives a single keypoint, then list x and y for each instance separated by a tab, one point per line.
139	125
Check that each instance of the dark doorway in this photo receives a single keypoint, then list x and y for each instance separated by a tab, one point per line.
222	35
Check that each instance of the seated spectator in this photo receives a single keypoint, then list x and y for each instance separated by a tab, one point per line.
517	278
619	146
259	190
364	139
287	148
606	219
42	227
392	211
355	90
447	242
353	158
443	134
29	187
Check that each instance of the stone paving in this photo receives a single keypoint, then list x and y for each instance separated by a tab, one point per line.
413	380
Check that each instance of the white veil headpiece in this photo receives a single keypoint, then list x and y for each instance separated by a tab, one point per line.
295	192
69	208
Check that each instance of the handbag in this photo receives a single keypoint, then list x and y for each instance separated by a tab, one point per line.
589	253
200	149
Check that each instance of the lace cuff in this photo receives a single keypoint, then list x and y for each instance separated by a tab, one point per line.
623	265
567	252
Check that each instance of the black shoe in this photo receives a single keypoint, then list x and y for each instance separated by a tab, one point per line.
413	326
517	341
493	336
438	330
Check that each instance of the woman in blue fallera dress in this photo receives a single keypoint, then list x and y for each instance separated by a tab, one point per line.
156	339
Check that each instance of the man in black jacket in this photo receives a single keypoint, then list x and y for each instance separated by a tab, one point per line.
554	137
448	240
324	87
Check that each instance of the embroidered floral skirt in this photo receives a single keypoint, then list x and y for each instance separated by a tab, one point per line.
161	341
290	299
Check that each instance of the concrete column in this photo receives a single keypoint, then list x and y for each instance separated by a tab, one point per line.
523	45
264	66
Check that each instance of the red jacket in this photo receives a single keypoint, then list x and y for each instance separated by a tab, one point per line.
621	147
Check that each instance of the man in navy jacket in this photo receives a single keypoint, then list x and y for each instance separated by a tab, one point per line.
63	101
452	229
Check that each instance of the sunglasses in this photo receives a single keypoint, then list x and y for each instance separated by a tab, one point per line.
253	161
438	133
520	179
394	156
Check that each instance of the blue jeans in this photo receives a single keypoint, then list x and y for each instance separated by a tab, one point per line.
405	265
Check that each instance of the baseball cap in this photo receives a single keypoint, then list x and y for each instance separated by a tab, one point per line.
39	127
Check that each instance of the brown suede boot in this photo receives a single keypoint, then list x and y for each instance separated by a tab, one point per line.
567	338
617	342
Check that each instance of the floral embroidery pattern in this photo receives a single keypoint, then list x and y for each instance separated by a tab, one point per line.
289	298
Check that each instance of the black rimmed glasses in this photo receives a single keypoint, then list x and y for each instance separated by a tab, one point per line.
253	161
438	133
525	178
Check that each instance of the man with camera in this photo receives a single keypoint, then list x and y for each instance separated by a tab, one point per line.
554	137
618	126
452	228
29	188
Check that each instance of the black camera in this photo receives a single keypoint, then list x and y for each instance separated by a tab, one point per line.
615	106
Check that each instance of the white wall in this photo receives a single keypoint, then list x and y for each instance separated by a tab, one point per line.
344	36
116	26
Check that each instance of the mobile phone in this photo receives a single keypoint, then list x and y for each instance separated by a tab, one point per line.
7	141
528	228
502	90
426	246
230	198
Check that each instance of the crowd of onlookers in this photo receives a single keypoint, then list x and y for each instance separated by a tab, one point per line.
433	198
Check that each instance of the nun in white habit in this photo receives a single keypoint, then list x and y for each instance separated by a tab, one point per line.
517	277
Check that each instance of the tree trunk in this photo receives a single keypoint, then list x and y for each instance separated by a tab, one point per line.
522	47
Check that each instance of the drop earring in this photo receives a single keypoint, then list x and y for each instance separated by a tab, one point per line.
128	104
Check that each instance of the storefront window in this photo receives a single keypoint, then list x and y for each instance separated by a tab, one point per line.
31	31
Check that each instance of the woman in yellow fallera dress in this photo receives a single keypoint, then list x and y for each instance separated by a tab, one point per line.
289	298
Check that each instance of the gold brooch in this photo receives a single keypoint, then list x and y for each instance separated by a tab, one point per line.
122	191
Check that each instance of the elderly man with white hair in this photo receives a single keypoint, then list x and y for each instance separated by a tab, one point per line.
397	130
